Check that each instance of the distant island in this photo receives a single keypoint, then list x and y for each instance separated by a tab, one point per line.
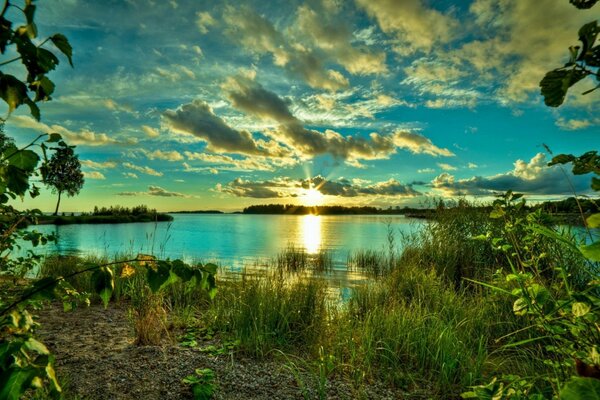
197	212
110	215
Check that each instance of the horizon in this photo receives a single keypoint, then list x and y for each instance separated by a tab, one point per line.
321	102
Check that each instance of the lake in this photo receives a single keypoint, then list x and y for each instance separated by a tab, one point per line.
233	240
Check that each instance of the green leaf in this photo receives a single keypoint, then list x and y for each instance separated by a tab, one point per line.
556	83
53	137
12	91
592	251
520	306
583	4
24	159
14	382
579	388
580	309
587	36
36	346
562	159
593	220
42	289
183	271
62	43
159	276
595	184
210	268
497	213
104	284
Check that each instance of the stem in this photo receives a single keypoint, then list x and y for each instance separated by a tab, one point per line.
6	4
56	280
18	58
24	148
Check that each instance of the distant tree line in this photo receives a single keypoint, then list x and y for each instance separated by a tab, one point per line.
118	210
566	206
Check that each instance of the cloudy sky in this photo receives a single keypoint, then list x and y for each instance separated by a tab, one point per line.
216	104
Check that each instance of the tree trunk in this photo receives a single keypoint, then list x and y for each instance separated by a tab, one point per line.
57	203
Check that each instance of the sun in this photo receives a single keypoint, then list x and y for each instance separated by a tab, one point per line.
312	197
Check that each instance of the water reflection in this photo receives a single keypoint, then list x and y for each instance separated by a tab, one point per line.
311	233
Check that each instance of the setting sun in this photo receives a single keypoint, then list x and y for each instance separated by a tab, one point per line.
312	197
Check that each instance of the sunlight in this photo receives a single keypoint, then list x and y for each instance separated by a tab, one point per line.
312	197
311	233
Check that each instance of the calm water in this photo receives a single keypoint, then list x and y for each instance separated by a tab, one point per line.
234	240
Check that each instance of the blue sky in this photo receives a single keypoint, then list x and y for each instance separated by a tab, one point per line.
213	104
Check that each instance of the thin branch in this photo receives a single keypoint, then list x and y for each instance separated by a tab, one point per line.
56	280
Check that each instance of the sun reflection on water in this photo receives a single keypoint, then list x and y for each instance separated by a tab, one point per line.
311	233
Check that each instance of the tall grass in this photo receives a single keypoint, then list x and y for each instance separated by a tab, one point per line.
272	312
297	259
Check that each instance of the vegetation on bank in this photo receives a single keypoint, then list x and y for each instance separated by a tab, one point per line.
108	215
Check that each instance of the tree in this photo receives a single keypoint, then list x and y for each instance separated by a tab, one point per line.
62	173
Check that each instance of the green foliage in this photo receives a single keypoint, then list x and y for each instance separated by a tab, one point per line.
37	60
202	383
578	388
583	62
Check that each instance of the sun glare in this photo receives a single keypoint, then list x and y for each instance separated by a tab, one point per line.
311	233
312	197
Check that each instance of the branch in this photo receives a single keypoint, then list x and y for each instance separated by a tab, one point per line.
18	58
56	280
24	148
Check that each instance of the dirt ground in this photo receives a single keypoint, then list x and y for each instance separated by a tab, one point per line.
97	359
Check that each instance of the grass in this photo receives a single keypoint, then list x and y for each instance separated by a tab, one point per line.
294	259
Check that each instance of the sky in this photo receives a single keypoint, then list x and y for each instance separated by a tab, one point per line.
191	105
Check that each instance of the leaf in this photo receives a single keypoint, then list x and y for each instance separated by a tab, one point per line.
14	382
183	271
36	346
556	83
592	251
579	388
587	36
62	43
595	184
562	159
520	306
580	309
42	289
24	159
593	220
583	4
104	284
159	277
210	268
12	91
53	137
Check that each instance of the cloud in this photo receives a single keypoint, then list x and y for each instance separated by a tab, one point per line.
287	188
204	21
257	34
532	177
252	98
84	137
130	175
145	169
98	165
94	175
334	38
255	163
198	119
414	26
151	132
173	155
576	124
259	189
472	165
154	191
425	170
446	167
419	144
